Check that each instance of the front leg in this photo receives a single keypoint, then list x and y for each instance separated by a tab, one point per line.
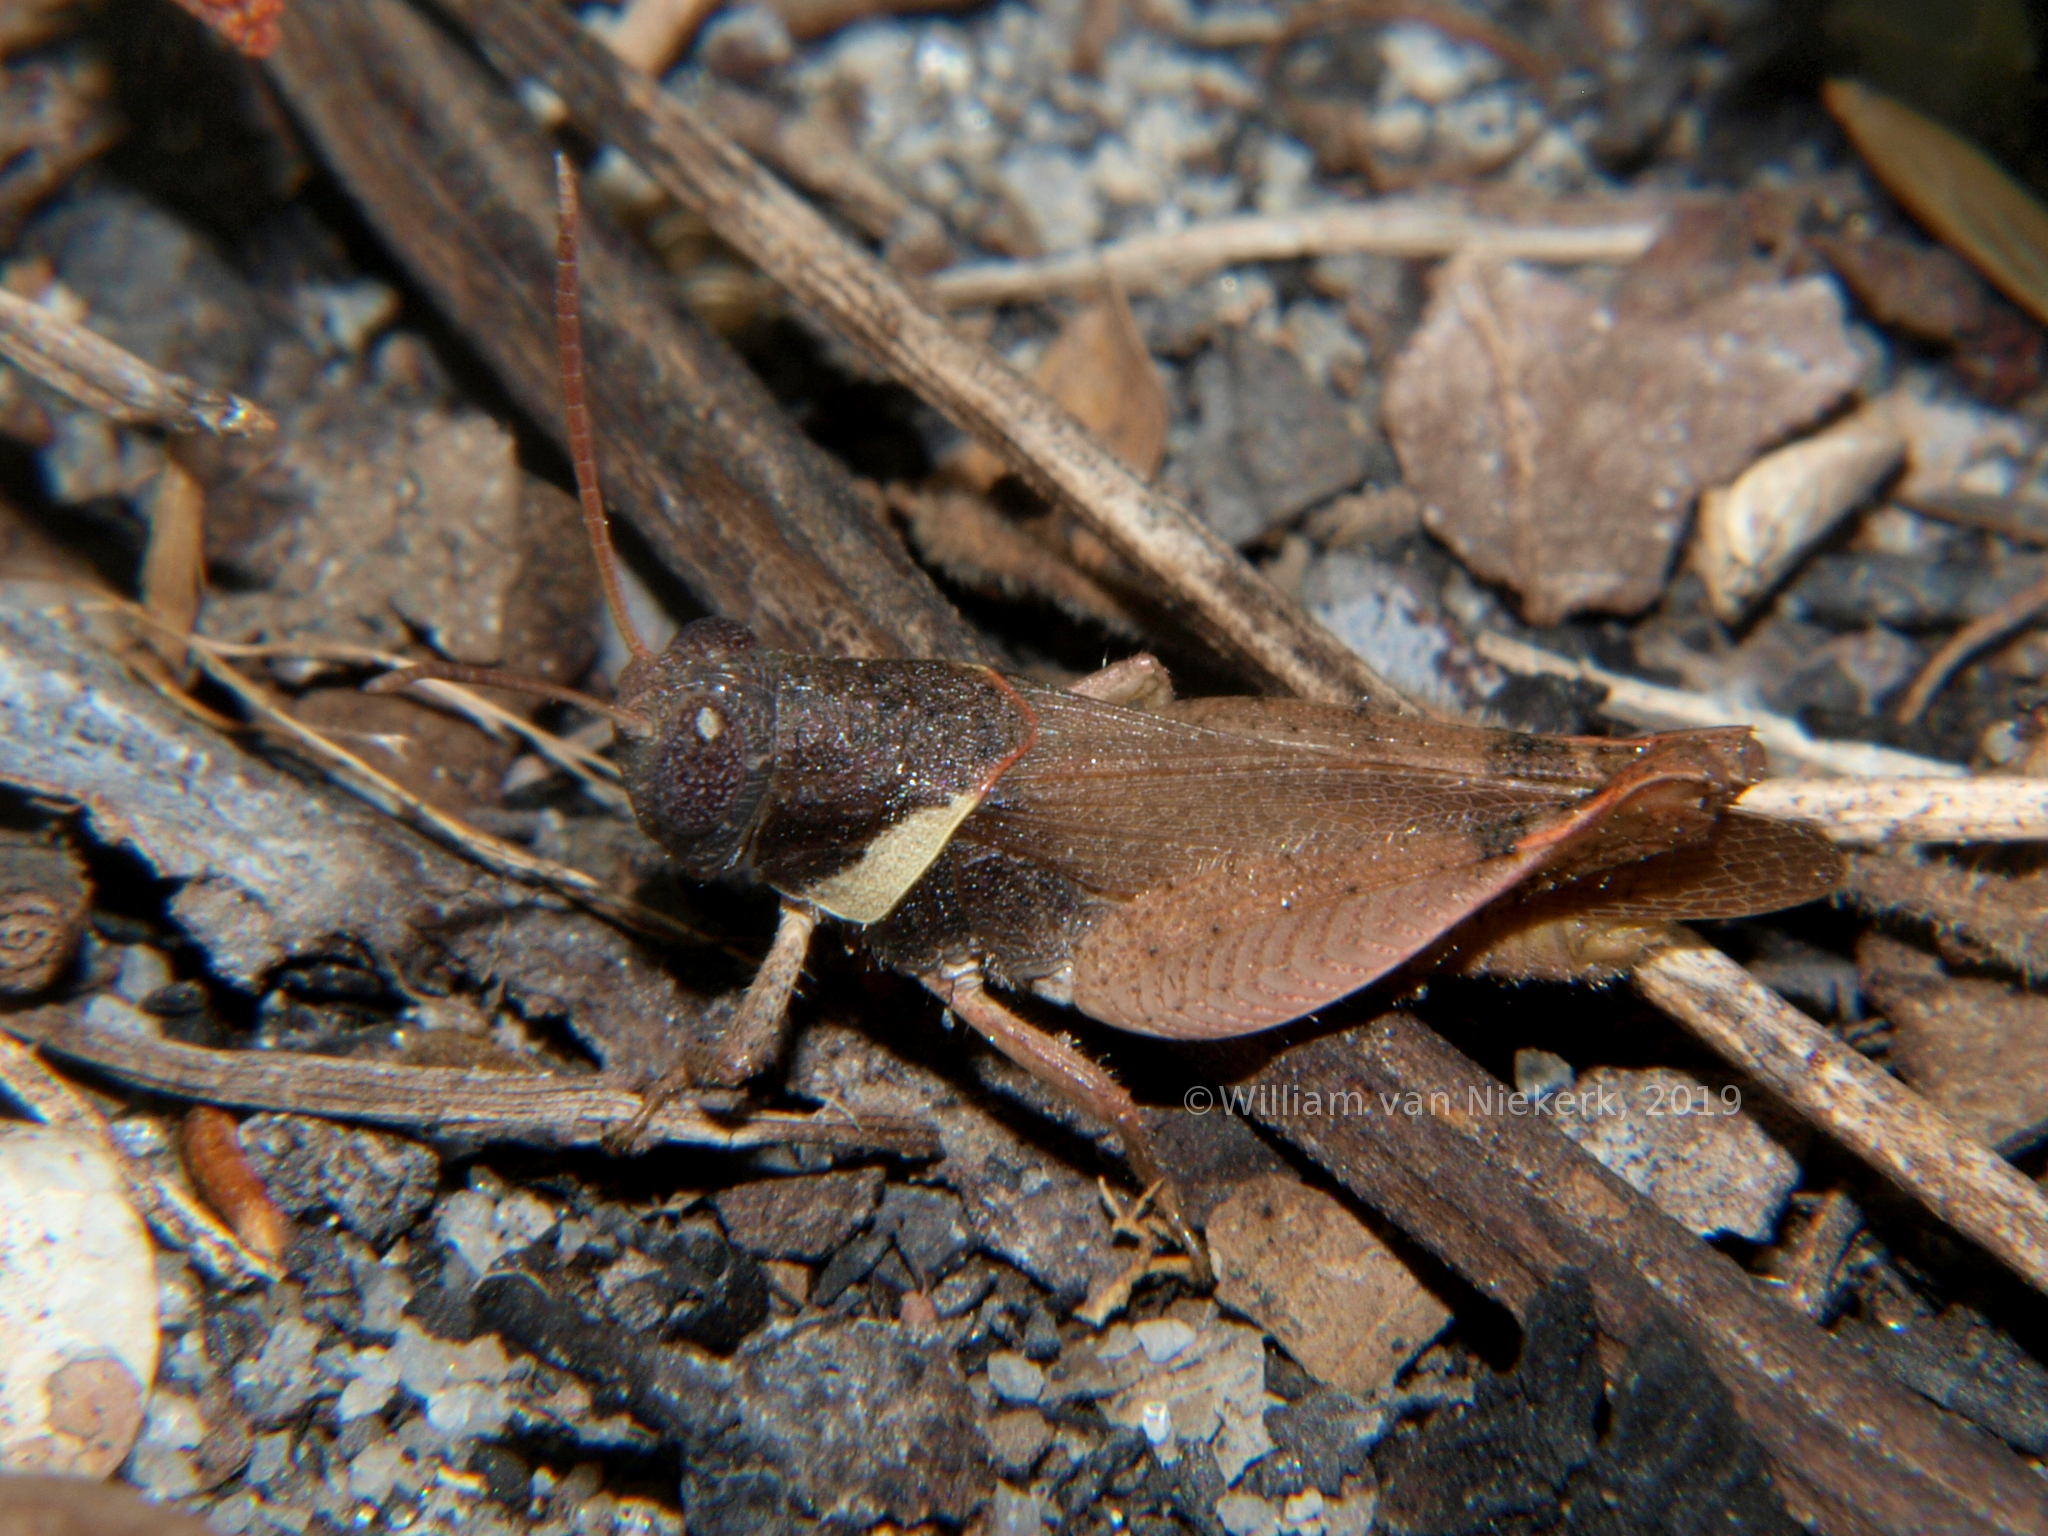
753	1042
761	1026
1075	1078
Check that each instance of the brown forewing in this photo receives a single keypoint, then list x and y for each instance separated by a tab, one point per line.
1262	859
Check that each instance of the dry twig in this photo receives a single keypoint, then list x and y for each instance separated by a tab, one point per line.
103	377
1642	703
1406	227
1923	810
178	1219
1893	1129
452	1102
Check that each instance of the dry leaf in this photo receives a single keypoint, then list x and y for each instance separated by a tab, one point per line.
1752	532
1978	1049
1952	187
1098	368
1559	441
1983	914
1310	1273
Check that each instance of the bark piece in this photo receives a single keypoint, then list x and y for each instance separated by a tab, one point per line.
43	904
1510	1204
269	869
1313	1275
1975	1047
1686	1145
1559	442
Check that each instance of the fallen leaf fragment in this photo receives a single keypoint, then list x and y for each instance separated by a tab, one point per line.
250	26
1753	531
1975	1047
1952	187
1099	369
1314	1276
1559	442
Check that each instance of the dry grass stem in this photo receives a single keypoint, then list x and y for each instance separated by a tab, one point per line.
1407	227
1648	704
102	377
573	757
1919	810
177	1219
453	1102
1859	1104
400	803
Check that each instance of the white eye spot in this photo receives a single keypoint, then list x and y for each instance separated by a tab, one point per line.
710	723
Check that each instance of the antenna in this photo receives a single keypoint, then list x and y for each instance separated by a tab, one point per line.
501	677
569	351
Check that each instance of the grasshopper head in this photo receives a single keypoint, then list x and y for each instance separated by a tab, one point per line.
698	763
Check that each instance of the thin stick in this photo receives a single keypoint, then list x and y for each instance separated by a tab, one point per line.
1408	228
102	377
2021	608
599	772
1959	1180
1632	699
1857	812
447	1102
177	1219
576	413
395	800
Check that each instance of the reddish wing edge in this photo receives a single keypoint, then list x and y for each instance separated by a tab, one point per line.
1262	941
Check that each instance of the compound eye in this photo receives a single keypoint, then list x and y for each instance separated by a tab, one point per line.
700	774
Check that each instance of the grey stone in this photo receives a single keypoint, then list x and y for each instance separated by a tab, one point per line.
1686	1144
377	1183
1271	441
805	1217
1016	1440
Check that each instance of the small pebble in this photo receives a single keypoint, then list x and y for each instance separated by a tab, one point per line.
1163	1337
1016	1440
1014	1378
1246	1514
78	1307
143	970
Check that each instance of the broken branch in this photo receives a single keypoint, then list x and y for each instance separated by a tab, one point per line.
450	1102
1238	613
1893	1129
102	377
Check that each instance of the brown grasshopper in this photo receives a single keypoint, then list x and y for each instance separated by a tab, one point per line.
1190	869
